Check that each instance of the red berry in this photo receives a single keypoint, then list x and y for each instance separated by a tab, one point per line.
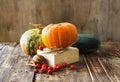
41	47
50	71
54	69
56	64
50	68
43	70
72	66
64	64
36	70
37	66
58	67
44	65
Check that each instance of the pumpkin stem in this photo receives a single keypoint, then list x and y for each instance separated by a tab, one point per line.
39	26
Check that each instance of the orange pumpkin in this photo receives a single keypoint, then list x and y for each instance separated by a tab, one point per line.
59	35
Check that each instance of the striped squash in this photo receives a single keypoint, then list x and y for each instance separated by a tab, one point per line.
30	41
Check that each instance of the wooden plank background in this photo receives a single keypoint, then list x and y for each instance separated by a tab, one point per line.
98	17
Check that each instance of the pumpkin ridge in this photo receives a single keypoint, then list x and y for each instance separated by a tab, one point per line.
55	38
47	38
66	36
44	35
59	37
50	37
73	29
70	33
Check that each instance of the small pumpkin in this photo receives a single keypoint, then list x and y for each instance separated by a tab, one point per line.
39	59
30	40
59	35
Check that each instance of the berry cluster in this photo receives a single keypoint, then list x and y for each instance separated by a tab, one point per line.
44	68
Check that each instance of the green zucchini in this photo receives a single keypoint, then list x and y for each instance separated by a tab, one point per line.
87	43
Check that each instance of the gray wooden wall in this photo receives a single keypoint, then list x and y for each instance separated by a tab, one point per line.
98	17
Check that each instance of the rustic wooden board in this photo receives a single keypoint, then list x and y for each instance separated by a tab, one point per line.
98	17
101	66
111	56
13	66
93	67
67	75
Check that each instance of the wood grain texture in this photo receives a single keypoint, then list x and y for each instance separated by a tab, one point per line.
12	65
94	67
101	66
98	17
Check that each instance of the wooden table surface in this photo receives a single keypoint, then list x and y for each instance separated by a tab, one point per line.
102	66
